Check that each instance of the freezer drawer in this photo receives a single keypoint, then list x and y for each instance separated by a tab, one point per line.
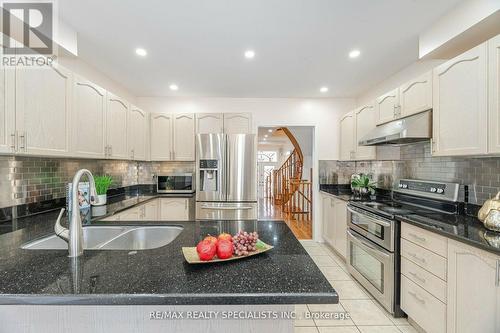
226	210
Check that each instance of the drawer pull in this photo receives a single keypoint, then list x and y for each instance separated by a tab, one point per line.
420	300
413	255
416	276
419	238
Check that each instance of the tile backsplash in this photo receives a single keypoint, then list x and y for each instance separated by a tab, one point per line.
33	179
482	175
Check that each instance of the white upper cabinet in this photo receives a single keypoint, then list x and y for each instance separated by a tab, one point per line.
494	94
387	106
365	120
89	103
347	137
161	128
183	141
7	111
460	105
209	123
137	135
237	123
416	95
116	120
43	110
473	298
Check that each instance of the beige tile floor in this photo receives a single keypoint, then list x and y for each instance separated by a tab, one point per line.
366	315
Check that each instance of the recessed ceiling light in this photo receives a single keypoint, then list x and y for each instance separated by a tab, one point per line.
249	54
323	89
264	139
173	87
266	136
354	54
270	130
141	52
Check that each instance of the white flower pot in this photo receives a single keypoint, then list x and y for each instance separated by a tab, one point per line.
102	199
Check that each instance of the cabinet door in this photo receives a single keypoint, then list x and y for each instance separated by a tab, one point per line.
347	137
494	93
340	232
89	104
43	110
460	105
365	120
387	106
237	123
328	220
161	136
137	133
174	209
116	121
416	95
151	210
473	297
7	110
183	137
209	123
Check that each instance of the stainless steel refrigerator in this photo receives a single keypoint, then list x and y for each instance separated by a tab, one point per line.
226	177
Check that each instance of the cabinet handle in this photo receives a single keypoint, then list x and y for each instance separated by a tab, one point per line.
421	239
416	276
420	300
497	282
422	260
22	139
13	142
110	150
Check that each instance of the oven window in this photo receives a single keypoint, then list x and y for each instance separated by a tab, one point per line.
368	225
368	266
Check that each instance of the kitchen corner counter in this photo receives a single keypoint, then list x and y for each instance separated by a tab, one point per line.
284	275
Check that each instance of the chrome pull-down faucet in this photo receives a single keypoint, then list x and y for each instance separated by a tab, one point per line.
74	236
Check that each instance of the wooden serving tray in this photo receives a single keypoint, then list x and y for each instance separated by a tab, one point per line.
191	255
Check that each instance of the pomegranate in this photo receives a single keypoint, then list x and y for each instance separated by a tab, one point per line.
211	239
206	250
224	249
225	236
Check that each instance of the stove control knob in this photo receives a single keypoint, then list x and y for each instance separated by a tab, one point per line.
433	190
440	191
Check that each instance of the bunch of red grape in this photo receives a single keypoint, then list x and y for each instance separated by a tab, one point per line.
245	242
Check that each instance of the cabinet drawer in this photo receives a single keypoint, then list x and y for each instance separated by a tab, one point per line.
427	311
424	279
424	258
427	239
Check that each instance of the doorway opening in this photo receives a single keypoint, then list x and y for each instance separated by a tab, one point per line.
284	164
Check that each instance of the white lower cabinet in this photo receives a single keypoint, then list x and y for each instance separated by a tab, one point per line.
335	223
473	290
174	209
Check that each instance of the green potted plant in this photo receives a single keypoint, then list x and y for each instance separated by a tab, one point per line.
102	184
363	185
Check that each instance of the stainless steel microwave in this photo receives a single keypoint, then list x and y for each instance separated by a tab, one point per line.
175	183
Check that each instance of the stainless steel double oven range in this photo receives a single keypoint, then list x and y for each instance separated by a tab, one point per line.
373	236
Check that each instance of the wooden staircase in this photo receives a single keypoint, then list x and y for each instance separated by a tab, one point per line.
287	188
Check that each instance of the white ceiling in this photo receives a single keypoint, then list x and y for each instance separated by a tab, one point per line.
301	45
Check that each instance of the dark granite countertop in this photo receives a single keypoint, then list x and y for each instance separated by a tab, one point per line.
284	275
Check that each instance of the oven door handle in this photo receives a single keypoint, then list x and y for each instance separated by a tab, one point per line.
373	249
377	221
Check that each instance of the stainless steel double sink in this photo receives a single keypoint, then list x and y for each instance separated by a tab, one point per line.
113	238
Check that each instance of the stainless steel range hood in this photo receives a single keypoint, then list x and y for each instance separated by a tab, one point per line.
402	131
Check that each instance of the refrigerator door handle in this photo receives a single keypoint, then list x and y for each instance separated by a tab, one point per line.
225	208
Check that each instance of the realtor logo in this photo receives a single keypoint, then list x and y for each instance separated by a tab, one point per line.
27	28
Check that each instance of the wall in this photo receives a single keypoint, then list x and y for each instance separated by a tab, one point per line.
481	174
35	179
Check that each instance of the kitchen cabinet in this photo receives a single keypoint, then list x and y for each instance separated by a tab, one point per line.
334	218
473	290
365	120
7	111
43	110
328	214
209	123
416	95
494	94
460	105
183	141
161	128
387	106
237	123
149	211
116	130
347	137
137	136
174	209
89	104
